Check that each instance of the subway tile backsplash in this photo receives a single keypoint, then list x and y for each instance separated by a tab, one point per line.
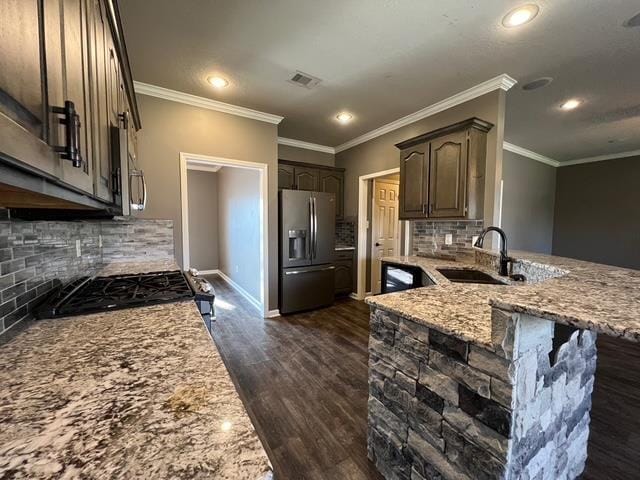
429	235
35	256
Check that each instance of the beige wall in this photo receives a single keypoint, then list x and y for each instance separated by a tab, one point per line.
239	227
202	189
528	203
170	128
381	154
285	152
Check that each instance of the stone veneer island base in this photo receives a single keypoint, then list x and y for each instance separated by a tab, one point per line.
440	407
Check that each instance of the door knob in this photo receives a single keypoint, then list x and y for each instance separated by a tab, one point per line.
378	244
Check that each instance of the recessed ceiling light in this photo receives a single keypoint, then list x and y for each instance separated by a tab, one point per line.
218	82
344	117
520	16
570	104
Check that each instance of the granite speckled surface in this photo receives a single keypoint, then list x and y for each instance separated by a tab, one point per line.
137	393
585	295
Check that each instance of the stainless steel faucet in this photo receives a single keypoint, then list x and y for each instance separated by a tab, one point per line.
504	258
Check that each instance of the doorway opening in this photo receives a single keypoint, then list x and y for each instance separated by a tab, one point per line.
380	232
224	223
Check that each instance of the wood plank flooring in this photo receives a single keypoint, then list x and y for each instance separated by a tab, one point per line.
303	379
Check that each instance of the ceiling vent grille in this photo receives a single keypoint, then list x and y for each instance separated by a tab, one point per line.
304	80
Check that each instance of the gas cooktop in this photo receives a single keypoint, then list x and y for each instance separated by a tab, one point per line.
99	294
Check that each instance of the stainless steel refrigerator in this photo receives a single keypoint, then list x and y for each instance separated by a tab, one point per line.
307	245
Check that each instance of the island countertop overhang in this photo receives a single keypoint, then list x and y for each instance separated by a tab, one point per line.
580	294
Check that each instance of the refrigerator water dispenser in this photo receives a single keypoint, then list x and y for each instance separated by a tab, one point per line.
297	244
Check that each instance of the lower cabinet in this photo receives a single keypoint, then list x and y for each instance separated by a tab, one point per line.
344	272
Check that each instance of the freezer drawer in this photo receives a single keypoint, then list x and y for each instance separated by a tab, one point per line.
306	288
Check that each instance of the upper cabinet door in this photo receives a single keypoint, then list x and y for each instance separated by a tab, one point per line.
307	178
448	173
414	169
332	181
66	43
99	64
23	117
286	177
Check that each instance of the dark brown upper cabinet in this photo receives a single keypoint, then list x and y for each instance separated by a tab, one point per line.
307	178
65	90
414	163
447	173
67	67
23	107
442	173
316	178
332	181
286	177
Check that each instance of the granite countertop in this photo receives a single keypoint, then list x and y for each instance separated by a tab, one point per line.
581	294
135	393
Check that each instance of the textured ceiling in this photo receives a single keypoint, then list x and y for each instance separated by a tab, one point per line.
384	59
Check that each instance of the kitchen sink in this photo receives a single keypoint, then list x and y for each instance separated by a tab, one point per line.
459	275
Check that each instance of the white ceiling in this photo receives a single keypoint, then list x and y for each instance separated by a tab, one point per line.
384	59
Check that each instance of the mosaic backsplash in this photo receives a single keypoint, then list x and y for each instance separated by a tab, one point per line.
429	235
35	256
346	232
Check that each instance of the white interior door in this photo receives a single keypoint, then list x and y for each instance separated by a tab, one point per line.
385	227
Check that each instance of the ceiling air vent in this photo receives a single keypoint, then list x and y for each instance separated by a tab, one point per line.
304	80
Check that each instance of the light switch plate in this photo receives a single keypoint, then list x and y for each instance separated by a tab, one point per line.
78	249
448	239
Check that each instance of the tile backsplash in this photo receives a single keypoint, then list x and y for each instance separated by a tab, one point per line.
35	256
346	232
429	235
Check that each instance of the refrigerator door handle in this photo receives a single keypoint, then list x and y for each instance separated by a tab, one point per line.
310	236
314	219
298	272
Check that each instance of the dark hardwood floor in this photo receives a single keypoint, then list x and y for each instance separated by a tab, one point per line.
303	379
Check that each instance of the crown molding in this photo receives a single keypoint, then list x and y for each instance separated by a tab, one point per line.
601	158
196	101
306	145
530	154
501	82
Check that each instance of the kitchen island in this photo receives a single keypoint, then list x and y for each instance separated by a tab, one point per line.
133	393
472	381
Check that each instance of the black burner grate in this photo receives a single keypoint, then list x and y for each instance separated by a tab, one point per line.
99	294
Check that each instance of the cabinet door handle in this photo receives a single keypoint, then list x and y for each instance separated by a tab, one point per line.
71	120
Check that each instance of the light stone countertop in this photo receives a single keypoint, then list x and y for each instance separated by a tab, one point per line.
136	393
581	294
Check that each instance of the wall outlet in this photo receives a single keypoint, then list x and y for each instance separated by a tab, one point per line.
78	248
474	239
448	239
237	268
99	241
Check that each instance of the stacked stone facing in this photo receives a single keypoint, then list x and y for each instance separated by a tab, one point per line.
443	408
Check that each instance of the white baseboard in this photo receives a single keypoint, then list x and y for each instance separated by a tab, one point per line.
209	272
241	291
354	296
273	313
